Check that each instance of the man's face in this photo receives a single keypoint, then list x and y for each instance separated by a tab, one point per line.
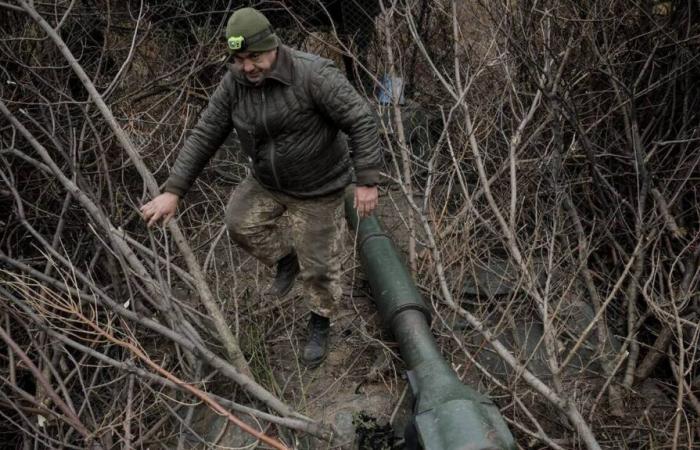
255	65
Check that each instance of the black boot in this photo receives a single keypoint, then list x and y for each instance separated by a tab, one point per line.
287	271
316	348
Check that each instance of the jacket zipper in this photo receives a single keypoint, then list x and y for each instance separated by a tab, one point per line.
272	143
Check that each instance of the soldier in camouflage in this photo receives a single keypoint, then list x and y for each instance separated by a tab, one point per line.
292	112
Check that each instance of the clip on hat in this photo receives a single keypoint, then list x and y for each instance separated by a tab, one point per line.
240	43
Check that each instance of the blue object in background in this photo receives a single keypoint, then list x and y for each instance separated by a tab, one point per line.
385	93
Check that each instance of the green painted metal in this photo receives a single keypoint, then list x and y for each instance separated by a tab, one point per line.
448	414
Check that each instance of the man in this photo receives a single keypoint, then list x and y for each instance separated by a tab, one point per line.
288	108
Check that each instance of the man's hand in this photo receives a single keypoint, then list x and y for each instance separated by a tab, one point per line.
366	199
161	207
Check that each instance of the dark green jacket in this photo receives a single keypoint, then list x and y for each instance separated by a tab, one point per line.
289	127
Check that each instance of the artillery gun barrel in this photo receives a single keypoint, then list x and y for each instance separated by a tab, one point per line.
448	415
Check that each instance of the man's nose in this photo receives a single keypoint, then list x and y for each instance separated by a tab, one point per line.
248	66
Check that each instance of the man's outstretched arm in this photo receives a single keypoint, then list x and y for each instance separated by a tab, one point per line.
208	134
211	130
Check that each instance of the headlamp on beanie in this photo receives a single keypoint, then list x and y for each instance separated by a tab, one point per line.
236	42
240	43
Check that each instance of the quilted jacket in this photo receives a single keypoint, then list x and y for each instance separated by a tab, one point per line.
290	127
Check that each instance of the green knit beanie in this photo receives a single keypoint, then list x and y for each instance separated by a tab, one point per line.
248	30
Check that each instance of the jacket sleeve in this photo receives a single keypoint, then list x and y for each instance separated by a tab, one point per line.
338	100
211	130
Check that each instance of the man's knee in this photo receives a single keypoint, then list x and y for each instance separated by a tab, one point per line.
240	216
241	208
240	230
235	224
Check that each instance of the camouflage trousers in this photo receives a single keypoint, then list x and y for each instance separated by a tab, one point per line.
256	220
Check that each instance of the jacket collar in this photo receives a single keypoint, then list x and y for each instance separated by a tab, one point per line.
282	70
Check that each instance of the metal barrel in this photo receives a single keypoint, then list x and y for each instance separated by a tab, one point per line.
448	415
